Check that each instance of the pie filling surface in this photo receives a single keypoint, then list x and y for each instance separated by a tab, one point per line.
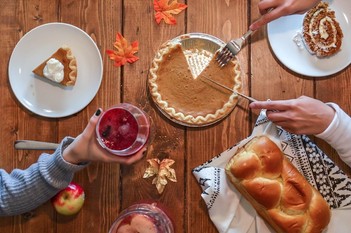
188	99
67	59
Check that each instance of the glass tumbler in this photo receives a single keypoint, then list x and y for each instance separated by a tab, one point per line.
123	129
143	218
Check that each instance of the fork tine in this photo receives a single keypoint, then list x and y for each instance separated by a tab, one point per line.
224	56
232	48
225	60
221	54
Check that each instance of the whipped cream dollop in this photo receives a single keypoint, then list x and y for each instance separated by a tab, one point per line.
54	70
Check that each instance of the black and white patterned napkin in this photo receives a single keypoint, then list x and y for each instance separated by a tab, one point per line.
230	212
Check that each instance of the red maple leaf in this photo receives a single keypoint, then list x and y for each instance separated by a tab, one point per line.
165	11
124	52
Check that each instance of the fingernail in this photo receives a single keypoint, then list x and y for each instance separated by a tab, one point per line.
145	151
98	112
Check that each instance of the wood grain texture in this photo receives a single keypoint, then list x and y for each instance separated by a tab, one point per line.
18	17
101	181
226	20
110	188
167	140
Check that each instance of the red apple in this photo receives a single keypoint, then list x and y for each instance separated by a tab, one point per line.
69	200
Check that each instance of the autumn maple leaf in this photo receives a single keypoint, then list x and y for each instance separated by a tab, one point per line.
165	11
162	170
124	52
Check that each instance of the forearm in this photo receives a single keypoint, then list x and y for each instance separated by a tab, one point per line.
24	190
338	134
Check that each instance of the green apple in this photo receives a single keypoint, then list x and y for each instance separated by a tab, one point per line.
69	200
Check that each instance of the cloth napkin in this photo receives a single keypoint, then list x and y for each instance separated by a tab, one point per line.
231	213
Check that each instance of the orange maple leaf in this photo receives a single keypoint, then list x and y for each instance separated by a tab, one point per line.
124	52
164	10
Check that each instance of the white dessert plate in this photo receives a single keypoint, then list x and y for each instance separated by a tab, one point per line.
282	31
46	98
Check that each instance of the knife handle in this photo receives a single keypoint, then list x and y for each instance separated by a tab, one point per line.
34	145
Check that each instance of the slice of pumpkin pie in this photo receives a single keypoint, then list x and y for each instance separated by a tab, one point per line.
60	67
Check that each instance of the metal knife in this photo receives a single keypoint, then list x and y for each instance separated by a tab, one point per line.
225	87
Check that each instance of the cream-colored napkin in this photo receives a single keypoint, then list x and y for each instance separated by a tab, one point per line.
230	212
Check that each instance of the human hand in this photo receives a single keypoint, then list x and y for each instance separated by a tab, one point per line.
281	8
86	148
303	115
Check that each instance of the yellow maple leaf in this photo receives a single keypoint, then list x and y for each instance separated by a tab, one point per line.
162	170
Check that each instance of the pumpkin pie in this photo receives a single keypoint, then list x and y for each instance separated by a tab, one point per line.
321	31
60	67
195	101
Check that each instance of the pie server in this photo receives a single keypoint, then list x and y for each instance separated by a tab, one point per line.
34	145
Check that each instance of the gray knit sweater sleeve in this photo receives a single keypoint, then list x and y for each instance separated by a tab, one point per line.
24	190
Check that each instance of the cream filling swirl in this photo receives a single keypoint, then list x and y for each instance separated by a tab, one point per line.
321	30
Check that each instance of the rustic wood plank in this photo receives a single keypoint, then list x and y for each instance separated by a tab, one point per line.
110	189
167	140
18	17
100	181
225	20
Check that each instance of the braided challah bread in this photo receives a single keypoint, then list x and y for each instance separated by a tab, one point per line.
276	189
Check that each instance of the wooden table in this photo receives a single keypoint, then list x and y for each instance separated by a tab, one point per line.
110	187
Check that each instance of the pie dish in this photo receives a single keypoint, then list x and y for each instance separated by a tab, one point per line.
179	87
322	33
67	59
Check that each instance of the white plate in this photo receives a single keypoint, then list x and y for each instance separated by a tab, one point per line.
282	31
44	97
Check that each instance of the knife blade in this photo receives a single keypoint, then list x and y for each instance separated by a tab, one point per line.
225	87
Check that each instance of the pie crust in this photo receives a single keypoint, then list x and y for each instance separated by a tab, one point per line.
194	101
65	56
321	32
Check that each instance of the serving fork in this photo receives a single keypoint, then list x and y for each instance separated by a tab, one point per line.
232	48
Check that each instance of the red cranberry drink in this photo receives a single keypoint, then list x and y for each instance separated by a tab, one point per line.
142	218
123	130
